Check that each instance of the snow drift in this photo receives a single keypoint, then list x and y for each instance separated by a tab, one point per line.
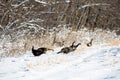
99	62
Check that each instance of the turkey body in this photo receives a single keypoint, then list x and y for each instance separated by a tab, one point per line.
39	51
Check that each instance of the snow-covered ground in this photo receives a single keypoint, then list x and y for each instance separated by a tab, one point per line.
95	63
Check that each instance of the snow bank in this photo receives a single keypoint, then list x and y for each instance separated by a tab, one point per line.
94	63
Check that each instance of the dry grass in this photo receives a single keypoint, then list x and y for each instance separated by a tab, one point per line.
58	39
113	43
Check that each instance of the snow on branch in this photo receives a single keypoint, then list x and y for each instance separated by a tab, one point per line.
45	3
20	3
34	26
97	4
36	20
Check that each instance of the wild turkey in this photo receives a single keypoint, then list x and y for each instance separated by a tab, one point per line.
90	43
69	49
39	51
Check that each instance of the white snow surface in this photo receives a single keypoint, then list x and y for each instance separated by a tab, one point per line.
95	63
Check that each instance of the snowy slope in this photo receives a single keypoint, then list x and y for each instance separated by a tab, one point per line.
94	63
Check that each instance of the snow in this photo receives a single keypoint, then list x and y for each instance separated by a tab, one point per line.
95	63
42	2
